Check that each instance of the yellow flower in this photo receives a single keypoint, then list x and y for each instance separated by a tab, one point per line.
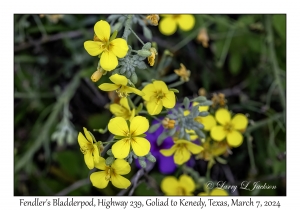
111	173
183	73
89	149
229	128
182	150
153	19
151	58
168	24
215	192
212	149
108	49
158	95
208	122
122	109
184	186
131	136
120	86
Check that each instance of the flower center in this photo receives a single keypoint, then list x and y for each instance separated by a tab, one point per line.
86	148
228	127
109	173
159	95
176	16
180	191
121	92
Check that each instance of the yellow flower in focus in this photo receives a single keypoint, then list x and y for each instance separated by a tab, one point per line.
131	136
184	186
153	19
111	173
183	73
215	192
158	95
229	128
122	109
89	149
151	58
182	150
109	50
120	86
168	25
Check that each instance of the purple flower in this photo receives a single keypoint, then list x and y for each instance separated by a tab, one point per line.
166	165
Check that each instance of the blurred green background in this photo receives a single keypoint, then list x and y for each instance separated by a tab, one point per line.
54	97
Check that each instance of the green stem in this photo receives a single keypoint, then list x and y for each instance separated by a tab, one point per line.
263	122
276	70
226	46
186	40
250	152
136	36
45	130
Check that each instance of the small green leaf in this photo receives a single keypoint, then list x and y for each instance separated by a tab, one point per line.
174	90
147	33
154	127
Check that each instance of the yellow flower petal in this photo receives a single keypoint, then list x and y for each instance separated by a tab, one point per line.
134	90
154	107
82	140
108	87
108	61
167	26
186	22
149	91
161	86
218	133
101	164
88	135
93	48
234	138
118	126
89	159
193	148
140	146
203	108
96	154
119	47
120	181
218	192
239	122
223	116
117	110
208	122
98	179
139	125
187	183
121	166
121	148
119	79
102	30
124	103
169	100
181	155
169	185
168	152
